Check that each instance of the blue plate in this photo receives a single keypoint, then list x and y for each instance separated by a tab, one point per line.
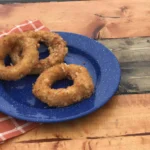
17	100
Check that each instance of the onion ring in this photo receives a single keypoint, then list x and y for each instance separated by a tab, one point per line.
82	87
56	46
29	56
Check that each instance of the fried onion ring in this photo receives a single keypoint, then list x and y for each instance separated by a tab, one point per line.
29	56
56	46
82	87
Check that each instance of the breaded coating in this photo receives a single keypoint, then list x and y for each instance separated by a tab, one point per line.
56	46
82	87
27	62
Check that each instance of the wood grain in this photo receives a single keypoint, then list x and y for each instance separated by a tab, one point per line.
134	58
113	19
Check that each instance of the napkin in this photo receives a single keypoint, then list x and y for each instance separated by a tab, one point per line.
9	126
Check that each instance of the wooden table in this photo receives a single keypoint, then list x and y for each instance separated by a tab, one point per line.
124	122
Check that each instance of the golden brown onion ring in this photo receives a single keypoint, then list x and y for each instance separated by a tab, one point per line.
82	87
26	63
56	46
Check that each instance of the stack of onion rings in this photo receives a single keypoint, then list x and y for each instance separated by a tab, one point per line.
23	51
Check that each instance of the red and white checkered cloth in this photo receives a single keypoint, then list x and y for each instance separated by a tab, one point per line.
11	127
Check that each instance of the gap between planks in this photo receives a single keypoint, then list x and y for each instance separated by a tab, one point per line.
118	143
89	138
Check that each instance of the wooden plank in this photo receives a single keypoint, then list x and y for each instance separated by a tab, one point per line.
117	143
134	57
122	116
120	19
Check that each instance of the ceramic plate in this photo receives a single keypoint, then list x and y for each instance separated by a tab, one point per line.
17	100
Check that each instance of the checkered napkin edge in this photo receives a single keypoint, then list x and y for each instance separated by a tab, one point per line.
9	126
